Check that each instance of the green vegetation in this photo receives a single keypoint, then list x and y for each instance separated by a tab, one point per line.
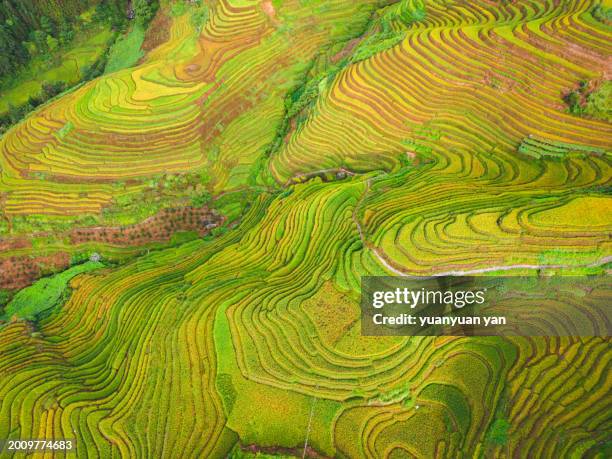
52	56
227	391
145	10
245	176
178	9
389	28
498	434
200	15
201	199
595	104
31	28
238	453
126	50
44	77
603	13
65	130
4	296
407	11
303	96
45	294
539	147
112	12
599	103
181	237
377	43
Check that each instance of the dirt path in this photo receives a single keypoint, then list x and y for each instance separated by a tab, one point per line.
312	408
299	178
385	262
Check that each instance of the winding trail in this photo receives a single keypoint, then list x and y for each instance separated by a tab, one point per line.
395	270
386	264
312	407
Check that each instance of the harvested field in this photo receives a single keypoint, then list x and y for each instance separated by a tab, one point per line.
17	272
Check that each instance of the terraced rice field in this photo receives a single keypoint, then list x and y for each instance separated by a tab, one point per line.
338	139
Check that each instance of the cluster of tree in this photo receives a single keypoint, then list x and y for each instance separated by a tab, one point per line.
114	12
144	10
34	27
201	199
38	27
50	90
118	13
603	14
576	99
14	114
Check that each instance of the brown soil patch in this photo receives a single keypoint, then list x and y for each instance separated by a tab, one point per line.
346	51
14	244
281	450
158	31
573	52
192	68
268	8
20	271
498	81
158	228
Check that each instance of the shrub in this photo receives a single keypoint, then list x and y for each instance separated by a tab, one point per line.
602	14
52	89
572	99
201	199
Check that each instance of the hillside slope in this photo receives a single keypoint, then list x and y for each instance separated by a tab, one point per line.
335	140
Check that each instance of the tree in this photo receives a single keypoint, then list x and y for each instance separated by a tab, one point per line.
113	12
15	113
52	43
66	33
52	89
12	52
201	199
34	101
47	26
572	99
145	10
39	38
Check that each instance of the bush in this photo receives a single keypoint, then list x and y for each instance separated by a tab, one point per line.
572	99
52	89
409	16
602	14
598	104
145	10
201	199
126	51
66	33
112	12
47	25
39	38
